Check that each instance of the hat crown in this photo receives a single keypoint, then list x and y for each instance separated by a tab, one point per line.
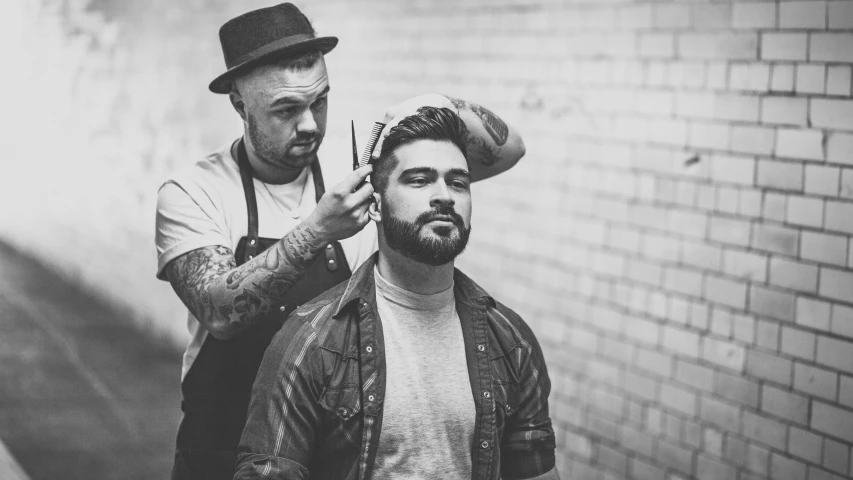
253	30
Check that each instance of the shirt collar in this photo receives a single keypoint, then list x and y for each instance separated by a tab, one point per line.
360	287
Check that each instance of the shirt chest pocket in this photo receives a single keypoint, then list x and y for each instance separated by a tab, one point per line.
343	403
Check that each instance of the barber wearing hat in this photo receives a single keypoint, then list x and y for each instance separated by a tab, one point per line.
250	232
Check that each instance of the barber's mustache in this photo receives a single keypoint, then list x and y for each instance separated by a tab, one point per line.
305	139
440	211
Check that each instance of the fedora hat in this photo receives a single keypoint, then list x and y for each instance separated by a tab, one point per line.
263	35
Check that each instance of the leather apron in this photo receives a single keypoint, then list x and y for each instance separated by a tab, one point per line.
217	387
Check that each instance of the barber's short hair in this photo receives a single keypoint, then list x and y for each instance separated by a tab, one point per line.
429	123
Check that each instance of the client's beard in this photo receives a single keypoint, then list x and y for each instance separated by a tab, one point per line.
404	237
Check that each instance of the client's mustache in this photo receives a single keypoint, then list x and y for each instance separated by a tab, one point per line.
440	211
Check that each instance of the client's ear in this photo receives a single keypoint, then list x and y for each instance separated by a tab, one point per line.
374	210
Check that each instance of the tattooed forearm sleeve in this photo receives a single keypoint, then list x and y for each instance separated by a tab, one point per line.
493	146
227	298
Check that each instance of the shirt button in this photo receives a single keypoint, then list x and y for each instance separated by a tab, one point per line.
481	348
484	444
369	349
332	263
487	394
252	241
329	246
370	397
283	308
251	257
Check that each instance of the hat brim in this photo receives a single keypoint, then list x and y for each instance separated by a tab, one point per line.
222	83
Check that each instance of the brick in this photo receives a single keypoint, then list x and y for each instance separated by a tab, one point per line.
634	16
757	459
701	255
707	135
800	144
614	460
654	362
842	321
784	46
775	206
696	376
822	180
641	470
787	405
838	78
726	292
804	444
746	265
782	78
839	148
803	15
642	387
813	313
769	367
744	328
726	200
754	15
836	456
736	107
783	468
784	111
681	341
798	343
688	223
780	175
753	139
736	389
721	323
775	239
764	430
729	231
721	414
713	442
673	456
749	203
845	393
835	113
836	284
832	420
840	14
684	281
711	16
805	211
819	474
835	353
771	303
831	47
838	216
671	16
753	77
729	169
724	353
846	183
657	45
734	46
810	79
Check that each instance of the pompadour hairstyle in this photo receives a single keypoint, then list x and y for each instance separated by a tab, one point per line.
429	123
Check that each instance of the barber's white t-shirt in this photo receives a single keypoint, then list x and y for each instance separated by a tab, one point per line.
205	205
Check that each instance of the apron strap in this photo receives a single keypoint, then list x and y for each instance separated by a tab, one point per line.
251	203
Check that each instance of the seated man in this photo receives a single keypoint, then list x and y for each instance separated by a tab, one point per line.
409	369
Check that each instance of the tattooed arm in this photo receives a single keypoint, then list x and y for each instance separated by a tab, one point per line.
227	299
493	145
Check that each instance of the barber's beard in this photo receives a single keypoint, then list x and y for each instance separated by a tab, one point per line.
407	239
270	152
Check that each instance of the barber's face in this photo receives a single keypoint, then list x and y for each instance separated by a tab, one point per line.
285	111
426	208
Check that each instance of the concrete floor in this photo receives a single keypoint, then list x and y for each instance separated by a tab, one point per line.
83	395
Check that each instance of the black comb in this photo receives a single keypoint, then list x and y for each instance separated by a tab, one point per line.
371	143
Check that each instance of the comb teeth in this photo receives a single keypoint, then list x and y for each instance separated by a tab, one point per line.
371	143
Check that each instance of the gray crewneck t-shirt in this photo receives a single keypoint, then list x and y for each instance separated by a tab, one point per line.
428	412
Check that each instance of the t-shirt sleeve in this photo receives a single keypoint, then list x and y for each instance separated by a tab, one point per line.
184	224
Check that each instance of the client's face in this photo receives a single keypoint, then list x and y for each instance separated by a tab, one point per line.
426	207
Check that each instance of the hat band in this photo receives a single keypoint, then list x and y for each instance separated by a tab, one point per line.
271	47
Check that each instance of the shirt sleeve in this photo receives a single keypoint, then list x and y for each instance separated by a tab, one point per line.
527	446
184	224
284	411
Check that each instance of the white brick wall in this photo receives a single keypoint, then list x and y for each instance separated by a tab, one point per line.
696	315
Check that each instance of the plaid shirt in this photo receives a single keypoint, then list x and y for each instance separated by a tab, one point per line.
316	409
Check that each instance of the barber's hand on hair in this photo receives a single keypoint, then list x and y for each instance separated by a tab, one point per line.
342	211
409	107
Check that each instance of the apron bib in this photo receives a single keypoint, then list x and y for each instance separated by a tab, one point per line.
217	387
